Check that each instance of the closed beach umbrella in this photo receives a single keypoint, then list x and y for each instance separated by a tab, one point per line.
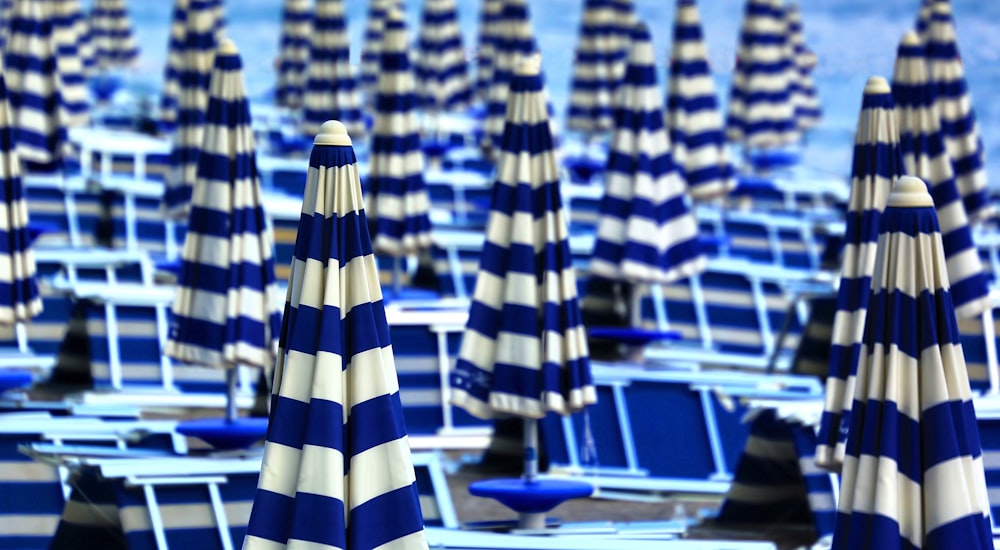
227	311
370	46
6	11
194	75
331	87
515	41
112	36
913	472
67	34
646	232
877	163
441	68
761	113
489	18
958	118
171	75
697	136
293	52
598	67
804	97
396	182
337	471
925	156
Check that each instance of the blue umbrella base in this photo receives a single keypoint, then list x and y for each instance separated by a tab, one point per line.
14	379
773	159
223	434
535	497
633	336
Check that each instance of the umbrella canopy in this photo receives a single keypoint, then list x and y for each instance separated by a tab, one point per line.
598	67
646	232
227	311
489	18
877	163
803	89
696	133
194	76
171	74
190	41
761	113
371	46
19	298
34	85
925	157
337	462
524	349
65	15
293	52
924	17
515	41
6	10
331	88
913	474
111	33
958	118
401	203
441	68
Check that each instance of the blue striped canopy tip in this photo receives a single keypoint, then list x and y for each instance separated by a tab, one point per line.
763	160
531	497
634	335
14	379
225	434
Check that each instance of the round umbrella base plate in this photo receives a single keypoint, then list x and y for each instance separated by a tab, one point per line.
15	379
634	336
224	434
535	497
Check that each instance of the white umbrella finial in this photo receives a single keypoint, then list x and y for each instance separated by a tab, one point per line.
877	85
228	47
911	38
332	132
910	192
530	65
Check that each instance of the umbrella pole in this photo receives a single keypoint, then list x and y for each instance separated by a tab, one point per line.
397	275
531	520
231	379
21	335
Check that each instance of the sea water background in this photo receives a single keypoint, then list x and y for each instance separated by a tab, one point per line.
853	39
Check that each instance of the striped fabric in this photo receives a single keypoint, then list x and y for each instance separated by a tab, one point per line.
19	299
66	33
761	113
171	75
958	118
441	69
489	17
923	22
803	89
696	133
33	84
877	163
913	473
111	33
515	40
88	50
227	311
194	74
6	10
598	67
396	182
646	232
371	46
339	426
331	88
524	350
925	156
293	53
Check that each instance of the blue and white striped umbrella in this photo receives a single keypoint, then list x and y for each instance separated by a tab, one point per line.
515	41
924	18
81	29
524	351
598	67
925	156
33	85
332	90
958	118
293	52
489	19
227	311
807	109
646	232
696	132
19	298
913	473
337	471
65	15
194	75
441	68
371	46
400	204
170	90
878	161
761	113
6	11
111	33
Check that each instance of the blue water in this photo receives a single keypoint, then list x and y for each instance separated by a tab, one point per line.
853	39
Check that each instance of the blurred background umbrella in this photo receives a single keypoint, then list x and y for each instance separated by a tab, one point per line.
370	46
337	469
69	40
925	156
441	68
524	350
399	199
697	137
170	91
515	41
111	32
808	113
489	18
913	473
331	88
293	53
877	163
